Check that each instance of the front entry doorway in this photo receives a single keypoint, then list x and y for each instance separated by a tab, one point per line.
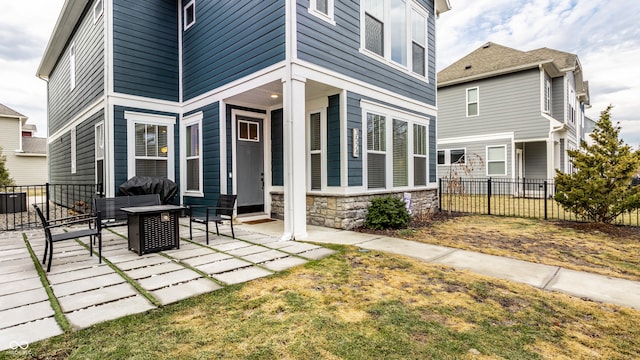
250	164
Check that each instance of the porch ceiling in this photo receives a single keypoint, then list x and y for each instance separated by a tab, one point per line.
270	95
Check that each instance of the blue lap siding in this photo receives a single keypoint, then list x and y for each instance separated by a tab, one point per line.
337	47
121	161
354	121
230	40
210	155
277	148
63	102
145	48
333	141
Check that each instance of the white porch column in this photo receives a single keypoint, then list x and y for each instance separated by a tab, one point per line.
294	148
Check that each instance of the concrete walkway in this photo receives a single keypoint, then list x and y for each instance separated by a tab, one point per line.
580	284
124	283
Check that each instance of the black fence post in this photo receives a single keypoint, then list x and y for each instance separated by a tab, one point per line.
489	196
440	194
545	199
46	203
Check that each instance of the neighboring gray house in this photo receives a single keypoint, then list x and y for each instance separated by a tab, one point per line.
26	154
305	109
511	113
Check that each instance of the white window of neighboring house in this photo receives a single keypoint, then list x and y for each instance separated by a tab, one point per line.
72	66
99	161
441	157
397	146
376	151
452	156
150	145
473	103
396	30
73	151
572	106
419	155
497	160
189	14
547	95
98	9
192	165
323	9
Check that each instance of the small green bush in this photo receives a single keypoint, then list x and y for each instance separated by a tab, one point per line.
387	213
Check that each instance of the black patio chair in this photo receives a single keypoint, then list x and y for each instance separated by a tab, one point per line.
93	231
203	214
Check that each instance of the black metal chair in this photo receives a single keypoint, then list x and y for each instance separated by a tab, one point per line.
203	214
92	232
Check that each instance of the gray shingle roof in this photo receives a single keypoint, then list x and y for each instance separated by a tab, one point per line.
34	145
493	59
9	112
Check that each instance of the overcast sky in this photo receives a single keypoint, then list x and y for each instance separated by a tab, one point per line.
603	33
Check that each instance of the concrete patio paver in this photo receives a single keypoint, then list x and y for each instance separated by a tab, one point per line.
109	311
242	275
23	335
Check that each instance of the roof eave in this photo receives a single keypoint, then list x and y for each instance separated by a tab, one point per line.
493	73
442	6
69	16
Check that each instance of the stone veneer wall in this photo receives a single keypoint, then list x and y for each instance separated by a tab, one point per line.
348	212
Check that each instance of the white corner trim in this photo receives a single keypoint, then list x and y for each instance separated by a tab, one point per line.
476	138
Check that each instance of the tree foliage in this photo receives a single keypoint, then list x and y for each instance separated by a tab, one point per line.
600	188
5	178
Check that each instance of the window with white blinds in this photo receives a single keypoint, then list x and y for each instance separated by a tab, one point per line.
400	156
419	155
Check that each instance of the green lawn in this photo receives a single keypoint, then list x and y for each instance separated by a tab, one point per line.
362	305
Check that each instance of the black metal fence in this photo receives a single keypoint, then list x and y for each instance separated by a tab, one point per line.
55	200
529	198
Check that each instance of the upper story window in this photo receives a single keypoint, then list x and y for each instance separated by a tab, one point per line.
473	103
189	14
322	9
98	9
397	31
547	95
72	66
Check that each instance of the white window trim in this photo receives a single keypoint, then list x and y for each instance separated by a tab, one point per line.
390	114
546	99
72	65
74	150
322	151
98	10
387	42
313	10
134	118
477	88
447	156
247	122
488	161
191	3
193	119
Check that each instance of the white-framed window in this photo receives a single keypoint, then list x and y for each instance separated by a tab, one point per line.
74	151
572	106
315	149
419	155
497	160
397	146
192	154
189	14
400	136
396	30
473	101
248	130
72	66
150	144
452	156
99	160
547	95
98	9
322	9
